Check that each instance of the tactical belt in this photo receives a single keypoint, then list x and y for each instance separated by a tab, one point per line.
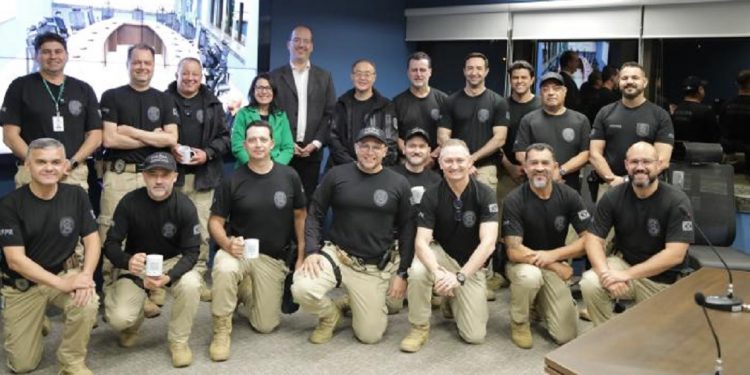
120	166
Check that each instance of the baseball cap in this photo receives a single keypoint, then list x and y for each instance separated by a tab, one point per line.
372	132
415	132
692	83
552	75
160	160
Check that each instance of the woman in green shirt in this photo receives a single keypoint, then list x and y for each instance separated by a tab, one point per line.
263	107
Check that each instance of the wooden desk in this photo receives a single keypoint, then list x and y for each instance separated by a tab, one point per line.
666	334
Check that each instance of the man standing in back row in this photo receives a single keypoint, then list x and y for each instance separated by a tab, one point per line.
306	94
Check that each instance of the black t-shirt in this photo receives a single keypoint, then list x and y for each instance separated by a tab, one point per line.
169	228
413	112
620	127
568	134
517	112
191	120
28	104
145	110
262	206
437	211
735	119
360	109
427	178
695	122
644	226
366	208
47	229
543	224
472	118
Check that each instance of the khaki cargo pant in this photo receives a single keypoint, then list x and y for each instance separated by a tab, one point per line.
367	288
258	283
23	315
597	298
529	285
469	305
202	201
123	303
115	186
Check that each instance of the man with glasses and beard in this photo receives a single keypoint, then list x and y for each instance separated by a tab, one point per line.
653	230
456	234
537	249
619	125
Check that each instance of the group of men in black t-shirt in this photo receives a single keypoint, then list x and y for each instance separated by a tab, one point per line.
156	238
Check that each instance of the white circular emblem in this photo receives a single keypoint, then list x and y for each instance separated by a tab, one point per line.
168	230
75	107
568	135
642	129
199	115
653	227
67	225
279	199
153	114
380	197
435	114
469	219
560	223
483	115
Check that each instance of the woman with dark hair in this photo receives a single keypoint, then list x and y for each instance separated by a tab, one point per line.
263	107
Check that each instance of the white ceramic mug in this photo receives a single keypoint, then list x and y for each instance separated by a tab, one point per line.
154	265
186	152
252	248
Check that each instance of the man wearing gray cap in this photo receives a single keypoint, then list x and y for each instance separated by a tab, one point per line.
169	229
368	201
566	130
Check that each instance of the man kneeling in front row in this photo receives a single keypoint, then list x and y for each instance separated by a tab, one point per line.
155	220
456	233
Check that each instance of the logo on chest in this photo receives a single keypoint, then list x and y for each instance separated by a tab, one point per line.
483	115
469	219
435	114
560	223
279	199
75	107
153	114
568	135
168	230
642	129
653	227
380	197
67	226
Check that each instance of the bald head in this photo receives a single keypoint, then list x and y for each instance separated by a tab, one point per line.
642	150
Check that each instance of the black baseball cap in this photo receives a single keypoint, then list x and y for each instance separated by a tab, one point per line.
692	83
417	132
160	160
371	132
552	76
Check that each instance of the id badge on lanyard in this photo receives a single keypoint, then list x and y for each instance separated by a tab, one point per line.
58	123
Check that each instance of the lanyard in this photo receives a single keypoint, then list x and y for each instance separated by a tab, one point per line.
59	95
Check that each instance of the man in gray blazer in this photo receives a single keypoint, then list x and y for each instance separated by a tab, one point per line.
306	94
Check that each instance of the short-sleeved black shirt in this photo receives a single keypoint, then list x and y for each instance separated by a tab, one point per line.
28	105
262	206
517	112
644	226
543	224
620	127
366	207
438	211
413	112
472	118
49	230
695	122
568	134
145	110
169	227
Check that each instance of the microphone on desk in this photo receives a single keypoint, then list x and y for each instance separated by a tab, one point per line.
701	300
722	303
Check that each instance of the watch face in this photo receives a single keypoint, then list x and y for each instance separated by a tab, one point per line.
461	277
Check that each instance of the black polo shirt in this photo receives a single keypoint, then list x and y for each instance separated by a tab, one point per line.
425	113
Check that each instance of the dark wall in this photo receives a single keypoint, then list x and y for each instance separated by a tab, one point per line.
448	63
345	31
716	60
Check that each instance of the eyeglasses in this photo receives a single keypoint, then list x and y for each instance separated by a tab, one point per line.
360	74
645	162
301	41
457	206
368	147
262	88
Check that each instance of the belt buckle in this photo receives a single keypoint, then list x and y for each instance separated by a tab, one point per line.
119	166
21	284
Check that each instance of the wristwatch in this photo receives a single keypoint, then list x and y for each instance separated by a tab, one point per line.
460	277
563	172
74	163
403	274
